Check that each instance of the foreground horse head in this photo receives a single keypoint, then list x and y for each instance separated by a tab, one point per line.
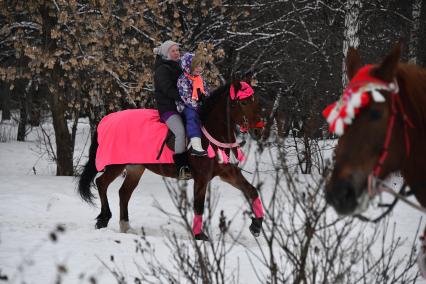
381	121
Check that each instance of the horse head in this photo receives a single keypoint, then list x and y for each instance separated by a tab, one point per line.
245	110
369	118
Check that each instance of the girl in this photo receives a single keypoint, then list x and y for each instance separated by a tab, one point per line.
192	87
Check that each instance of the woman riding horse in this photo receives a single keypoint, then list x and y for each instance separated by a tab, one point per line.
166	74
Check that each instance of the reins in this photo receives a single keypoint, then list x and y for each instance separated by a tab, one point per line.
379	186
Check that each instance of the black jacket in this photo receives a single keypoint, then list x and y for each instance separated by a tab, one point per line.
166	75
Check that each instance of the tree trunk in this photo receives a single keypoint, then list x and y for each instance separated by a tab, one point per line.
414	32
64	147
23	116
351	32
5	101
421	50
34	108
57	103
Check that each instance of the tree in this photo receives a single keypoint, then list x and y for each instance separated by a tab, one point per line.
351	31
421	50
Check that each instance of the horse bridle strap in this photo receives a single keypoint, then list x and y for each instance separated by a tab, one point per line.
395	104
373	178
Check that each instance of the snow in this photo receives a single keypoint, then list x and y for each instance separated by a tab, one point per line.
33	205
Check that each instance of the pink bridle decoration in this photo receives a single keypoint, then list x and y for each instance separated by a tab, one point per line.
217	143
223	158
243	93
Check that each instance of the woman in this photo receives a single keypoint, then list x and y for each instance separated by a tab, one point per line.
166	74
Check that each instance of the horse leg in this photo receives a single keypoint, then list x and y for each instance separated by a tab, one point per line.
421	257
200	189
131	180
102	183
232	175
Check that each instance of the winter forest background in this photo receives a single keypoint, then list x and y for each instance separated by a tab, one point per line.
66	64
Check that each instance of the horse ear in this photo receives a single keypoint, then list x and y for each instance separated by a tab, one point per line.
387	69
236	84
353	62
248	77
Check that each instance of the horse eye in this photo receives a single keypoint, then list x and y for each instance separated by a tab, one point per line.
244	103
375	114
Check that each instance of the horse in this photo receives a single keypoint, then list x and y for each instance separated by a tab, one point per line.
381	121
220	114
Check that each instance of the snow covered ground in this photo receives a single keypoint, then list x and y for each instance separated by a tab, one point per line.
33	202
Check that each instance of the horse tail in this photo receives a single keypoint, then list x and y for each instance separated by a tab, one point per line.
89	172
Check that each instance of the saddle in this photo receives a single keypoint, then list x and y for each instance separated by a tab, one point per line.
169	140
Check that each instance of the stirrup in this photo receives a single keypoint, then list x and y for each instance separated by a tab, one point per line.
184	173
198	153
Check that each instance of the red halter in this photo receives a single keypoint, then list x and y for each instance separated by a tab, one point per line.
395	105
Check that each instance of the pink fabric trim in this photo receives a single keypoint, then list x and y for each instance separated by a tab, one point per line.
244	129
210	152
132	136
219	156
258	208
245	91
240	155
198	223
225	157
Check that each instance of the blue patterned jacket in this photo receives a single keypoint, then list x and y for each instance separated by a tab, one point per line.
184	85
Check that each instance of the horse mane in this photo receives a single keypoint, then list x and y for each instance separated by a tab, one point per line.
412	81
412	84
212	100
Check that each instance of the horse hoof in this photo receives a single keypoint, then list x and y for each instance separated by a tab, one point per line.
256	226
100	225
421	262
201	237
124	226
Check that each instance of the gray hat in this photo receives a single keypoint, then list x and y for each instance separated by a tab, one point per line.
163	49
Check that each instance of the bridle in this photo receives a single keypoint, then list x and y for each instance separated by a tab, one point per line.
377	185
241	98
221	148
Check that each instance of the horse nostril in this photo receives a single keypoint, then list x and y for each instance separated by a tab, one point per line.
342	196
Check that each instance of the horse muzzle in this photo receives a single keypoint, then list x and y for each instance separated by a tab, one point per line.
346	197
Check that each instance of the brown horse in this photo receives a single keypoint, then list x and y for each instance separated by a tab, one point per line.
384	137
382	131
221	115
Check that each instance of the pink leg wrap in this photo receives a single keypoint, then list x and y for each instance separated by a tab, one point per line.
198	223
258	208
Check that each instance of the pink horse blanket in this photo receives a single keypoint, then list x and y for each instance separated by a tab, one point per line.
132	136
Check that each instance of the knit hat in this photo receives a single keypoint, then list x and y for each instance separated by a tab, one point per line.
163	49
186	62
